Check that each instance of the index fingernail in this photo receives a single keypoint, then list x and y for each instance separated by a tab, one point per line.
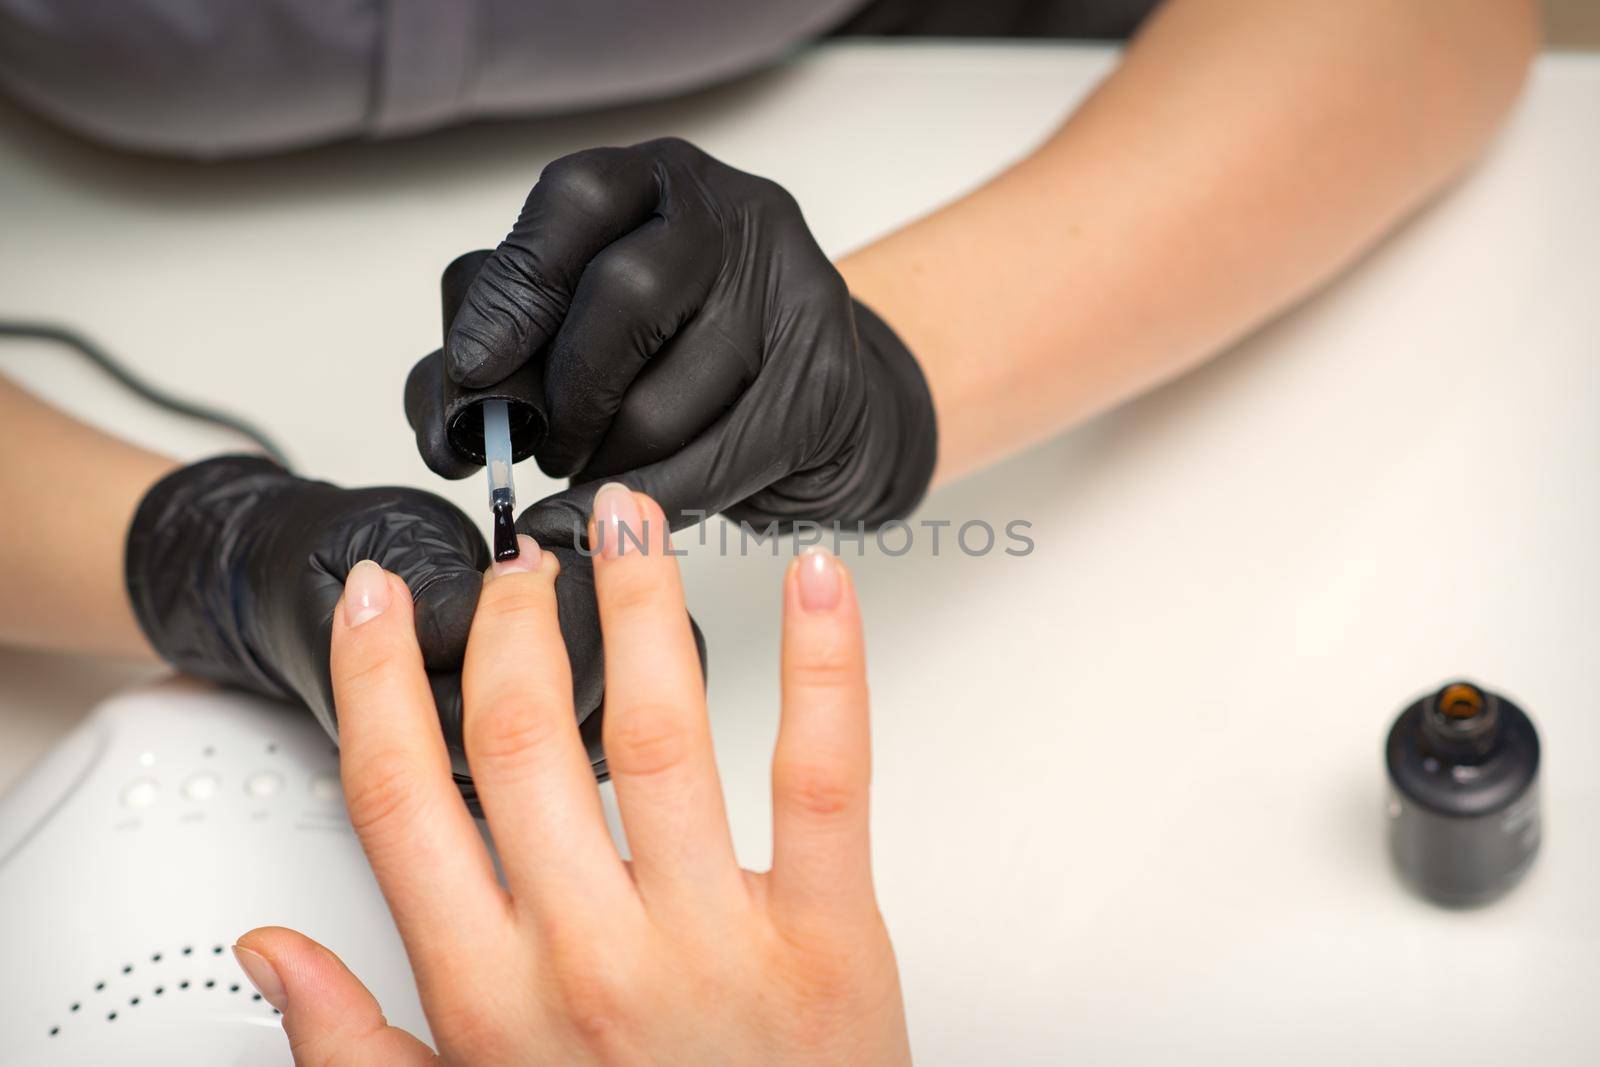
366	593
529	556
818	580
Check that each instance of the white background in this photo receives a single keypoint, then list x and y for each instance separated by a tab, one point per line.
1129	789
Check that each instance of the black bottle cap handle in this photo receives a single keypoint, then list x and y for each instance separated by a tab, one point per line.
523	391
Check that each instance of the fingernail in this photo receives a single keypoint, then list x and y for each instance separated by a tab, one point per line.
819	580
529	556
366	593
616	520
261	975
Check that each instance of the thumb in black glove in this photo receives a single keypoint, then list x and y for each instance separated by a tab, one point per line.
234	568
690	333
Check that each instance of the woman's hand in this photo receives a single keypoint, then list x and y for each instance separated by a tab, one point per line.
581	957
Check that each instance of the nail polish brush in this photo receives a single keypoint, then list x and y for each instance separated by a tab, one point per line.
497	425
497	461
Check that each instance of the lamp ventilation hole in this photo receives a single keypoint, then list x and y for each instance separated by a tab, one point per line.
183	984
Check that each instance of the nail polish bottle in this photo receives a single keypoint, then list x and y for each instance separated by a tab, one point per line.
1464	794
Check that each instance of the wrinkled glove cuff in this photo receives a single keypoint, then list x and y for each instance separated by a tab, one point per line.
185	546
876	463
902	437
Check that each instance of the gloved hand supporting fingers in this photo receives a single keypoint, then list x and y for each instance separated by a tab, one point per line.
580	204
440	556
634	296
434	549
445	596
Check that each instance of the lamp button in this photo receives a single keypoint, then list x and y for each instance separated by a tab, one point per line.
263	783
139	793
202	786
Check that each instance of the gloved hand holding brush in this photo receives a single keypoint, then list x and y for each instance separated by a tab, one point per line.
688	338
660	319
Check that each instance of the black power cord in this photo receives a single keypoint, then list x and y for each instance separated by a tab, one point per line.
40	331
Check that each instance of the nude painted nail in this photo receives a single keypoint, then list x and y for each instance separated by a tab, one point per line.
529	556
366	593
616	521
819	580
262	975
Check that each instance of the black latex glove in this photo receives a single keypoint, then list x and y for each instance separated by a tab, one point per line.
693	338
234	568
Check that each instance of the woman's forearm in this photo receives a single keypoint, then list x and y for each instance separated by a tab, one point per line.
1243	152
70	492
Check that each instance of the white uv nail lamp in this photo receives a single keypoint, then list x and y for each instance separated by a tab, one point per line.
175	818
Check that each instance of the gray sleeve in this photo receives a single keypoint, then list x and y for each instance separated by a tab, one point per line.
193	77
212	78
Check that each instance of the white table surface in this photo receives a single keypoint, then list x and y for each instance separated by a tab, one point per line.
1129	789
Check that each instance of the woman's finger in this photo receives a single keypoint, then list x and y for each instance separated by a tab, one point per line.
657	737
331	1019
420	840
821	769
529	764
